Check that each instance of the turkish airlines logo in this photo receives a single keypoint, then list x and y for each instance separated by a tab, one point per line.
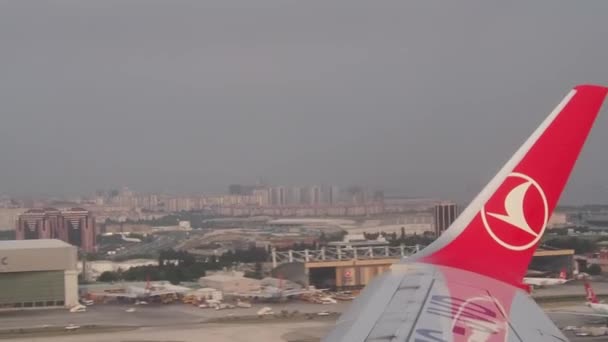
516	220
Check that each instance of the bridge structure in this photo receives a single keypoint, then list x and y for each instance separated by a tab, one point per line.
340	267
342	253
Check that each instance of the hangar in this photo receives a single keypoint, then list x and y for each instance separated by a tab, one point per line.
38	274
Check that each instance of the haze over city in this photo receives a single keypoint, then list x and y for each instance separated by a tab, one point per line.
289	171
419	98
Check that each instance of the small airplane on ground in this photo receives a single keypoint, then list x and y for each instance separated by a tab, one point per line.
536	282
78	308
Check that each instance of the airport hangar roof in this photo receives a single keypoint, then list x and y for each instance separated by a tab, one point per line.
32	244
37	255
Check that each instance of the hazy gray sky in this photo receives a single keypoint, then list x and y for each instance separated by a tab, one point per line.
428	97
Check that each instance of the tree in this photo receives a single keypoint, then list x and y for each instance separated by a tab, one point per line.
257	271
108	276
594	269
322	237
371	236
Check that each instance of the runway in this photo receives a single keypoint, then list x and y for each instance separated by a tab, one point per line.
181	323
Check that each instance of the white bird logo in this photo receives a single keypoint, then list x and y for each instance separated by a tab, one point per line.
515	215
514	205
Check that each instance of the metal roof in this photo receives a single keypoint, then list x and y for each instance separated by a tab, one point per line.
227	277
32	244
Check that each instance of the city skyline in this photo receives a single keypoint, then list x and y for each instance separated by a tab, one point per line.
223	191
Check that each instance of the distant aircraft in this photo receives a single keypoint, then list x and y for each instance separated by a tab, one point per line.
593	302
534	281
468	284
142	295
88	302
78	308
273	293
599	309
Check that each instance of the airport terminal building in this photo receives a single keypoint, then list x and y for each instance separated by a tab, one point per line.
37	274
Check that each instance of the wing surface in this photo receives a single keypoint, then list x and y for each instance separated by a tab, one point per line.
419	302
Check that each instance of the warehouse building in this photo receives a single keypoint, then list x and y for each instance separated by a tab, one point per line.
230	284
38	274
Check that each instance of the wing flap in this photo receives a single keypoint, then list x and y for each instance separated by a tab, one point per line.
356	324
530	321
400	316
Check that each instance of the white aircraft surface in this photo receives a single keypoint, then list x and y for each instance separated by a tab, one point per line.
78	308
534	281
468	284
141	294
87	302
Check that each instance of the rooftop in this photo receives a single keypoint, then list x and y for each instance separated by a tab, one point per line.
32	244
227	277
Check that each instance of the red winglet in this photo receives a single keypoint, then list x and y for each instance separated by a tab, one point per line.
497	234
591	297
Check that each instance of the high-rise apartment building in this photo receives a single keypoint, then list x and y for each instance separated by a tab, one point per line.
296	196
444	214
330	194
75	226
263	196
282	194
357	196
279	196
315	195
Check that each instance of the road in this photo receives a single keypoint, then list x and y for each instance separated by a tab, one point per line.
280	332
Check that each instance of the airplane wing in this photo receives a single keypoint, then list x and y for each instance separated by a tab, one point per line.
467	285
421	302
